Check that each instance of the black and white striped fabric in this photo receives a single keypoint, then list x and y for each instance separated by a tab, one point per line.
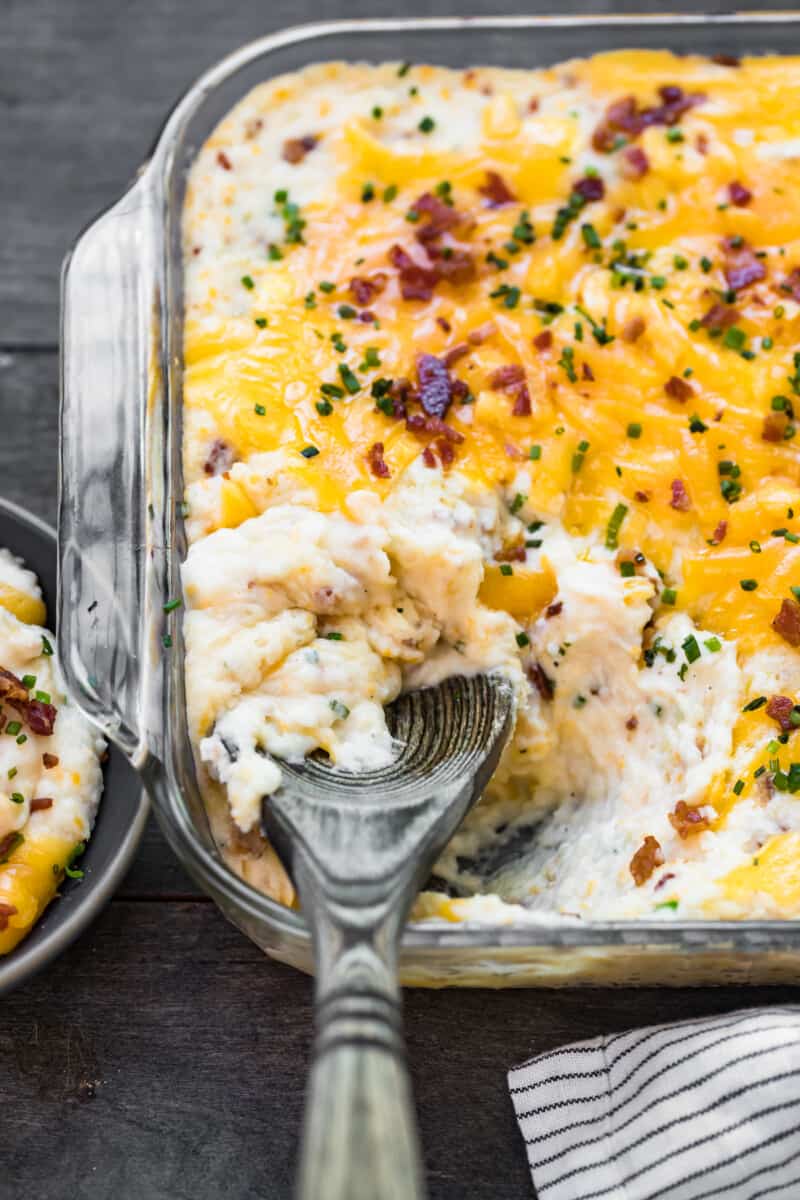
702	1110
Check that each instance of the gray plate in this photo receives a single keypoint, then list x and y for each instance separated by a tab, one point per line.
123	807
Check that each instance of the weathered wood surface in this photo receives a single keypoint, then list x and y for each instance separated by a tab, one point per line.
163	1057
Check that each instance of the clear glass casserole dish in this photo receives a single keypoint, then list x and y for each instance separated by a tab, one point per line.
121	536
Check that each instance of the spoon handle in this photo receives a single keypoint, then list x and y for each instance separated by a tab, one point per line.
360	1136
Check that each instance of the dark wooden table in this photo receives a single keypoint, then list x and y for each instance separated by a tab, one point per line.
163	1056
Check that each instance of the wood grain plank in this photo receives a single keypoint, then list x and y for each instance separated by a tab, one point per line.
164	1057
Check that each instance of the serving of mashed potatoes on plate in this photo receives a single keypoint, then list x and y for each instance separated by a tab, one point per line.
498	370
50	774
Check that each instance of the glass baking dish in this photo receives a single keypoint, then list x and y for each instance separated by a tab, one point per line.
121	536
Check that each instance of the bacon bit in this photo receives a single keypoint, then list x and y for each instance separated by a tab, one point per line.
480	335
726	60
220	458
633	329
543	340
12	689
6	911
50	761
522	403
791	284
433	381
41	717
738	194
365	289
419	425
533	104
295	149
680	497
456	266
366	317
224	161
509	376
446	452
376	461
678	389
455	353
515	553
416	280
6	843
428	457
513	452
720	316
642	497
645	860
444	324
742	267
587	372
542	683
439	217
496	190
624	116
664	880
686	821
701	143
40	804
554	610
633	163
632	723
253	128
591	187
787	622
780	709
719	533
774	427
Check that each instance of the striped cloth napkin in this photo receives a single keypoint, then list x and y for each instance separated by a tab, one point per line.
701	1110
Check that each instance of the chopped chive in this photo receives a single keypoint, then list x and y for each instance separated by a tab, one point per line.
738	787
614	525
627	569
331	389
671	904
247	281
17	798
523	640
47	649
634	430
757	703
690	648
426	125
29	681
261	322
713	644
309	452
591	237
349	380
259	410
334	636
506	569
517	502
669	596
389	193
535	453
347	312
748	585
324	408
13	728
341	710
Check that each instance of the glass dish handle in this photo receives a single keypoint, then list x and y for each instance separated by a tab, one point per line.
109	374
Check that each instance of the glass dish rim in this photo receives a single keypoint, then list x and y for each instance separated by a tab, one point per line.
429	935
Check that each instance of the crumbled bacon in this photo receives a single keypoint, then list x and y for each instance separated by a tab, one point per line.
554	609
365	289
542	682
496	190
522	402
376	461
514	553
295	149
780	708
719	533
219	459
726	60
224	161
587	373
509	376
701	142
678	389
6	911
12	689
642	497
366	317
664	880
774	426
433	382
625	117
444	324
421	425
7	843
738	194
453	263
440	217
455	353
40	717
742	266
446	452
417	280
633	329
787	622
680	497
543	340
41	804
632	723
428	457
791	284
686	820
50	761
720	316
591	187
645	860
633	163
480	335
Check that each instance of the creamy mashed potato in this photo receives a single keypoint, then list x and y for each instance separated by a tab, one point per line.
496	370
50	776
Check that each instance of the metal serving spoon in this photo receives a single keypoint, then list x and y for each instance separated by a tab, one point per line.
359	848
